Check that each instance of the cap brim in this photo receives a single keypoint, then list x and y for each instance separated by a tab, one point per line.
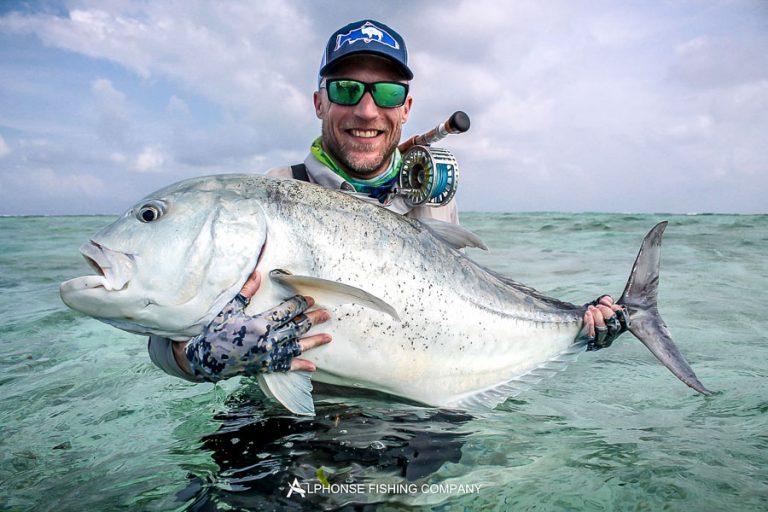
405	70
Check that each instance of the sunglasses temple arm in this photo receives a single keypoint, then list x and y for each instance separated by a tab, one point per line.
457	123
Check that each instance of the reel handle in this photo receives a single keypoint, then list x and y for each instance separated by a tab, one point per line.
457	123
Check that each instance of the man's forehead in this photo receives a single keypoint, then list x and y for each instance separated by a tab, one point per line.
365	63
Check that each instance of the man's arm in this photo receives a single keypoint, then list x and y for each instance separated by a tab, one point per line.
237	344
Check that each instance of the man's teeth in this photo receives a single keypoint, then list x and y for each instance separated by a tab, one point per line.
364	133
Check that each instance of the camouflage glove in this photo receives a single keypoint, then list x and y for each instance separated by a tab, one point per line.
614	327
237	344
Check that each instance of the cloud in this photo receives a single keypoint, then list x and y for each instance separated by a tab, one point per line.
78	185
106	93
4	149
151	159
705	62
177	106
47	183
228	52
113	122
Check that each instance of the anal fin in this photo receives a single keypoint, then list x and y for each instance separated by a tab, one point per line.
493	396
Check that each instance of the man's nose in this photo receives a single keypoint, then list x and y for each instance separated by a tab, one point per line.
366	108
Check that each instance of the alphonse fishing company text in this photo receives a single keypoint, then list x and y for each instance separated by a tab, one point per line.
302	489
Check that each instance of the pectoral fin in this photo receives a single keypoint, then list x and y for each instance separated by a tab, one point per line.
330	293
453	234
292	389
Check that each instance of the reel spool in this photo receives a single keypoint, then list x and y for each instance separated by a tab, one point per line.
429	176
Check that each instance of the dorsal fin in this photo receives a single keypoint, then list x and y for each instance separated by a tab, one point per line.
453	234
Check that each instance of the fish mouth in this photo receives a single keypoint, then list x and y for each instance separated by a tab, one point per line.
114	268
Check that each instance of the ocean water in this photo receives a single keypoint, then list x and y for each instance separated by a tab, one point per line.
88	423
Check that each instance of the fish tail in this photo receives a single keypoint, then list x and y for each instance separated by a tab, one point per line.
645	321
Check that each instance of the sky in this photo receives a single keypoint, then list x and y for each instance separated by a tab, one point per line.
576	105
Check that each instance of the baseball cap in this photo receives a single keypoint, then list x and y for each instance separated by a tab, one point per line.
365	37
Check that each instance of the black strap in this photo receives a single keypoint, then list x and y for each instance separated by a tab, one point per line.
300	172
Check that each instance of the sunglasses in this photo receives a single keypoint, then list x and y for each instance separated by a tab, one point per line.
344	91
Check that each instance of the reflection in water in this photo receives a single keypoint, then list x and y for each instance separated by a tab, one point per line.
260	450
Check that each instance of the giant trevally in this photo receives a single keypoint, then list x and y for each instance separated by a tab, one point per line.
411	314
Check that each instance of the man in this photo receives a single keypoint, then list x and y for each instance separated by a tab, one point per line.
363	102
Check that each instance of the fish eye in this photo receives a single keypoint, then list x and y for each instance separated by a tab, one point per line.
150	212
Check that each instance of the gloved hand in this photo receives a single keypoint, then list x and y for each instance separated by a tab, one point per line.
605	321
237	344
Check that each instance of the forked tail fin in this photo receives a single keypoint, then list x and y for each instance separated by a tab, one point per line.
646	324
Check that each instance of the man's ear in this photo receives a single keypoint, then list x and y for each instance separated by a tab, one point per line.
319	106
407	108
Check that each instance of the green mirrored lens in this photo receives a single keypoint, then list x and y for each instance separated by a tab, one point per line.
388	95
350	92
345	92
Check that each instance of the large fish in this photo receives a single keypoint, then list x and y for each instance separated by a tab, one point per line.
412	316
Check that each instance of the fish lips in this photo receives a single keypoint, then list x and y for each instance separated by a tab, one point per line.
114	268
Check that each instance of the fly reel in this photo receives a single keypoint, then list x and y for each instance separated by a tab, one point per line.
429	176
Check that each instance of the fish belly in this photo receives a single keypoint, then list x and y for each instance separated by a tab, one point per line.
431	362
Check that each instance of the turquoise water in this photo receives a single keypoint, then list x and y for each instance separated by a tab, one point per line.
89	424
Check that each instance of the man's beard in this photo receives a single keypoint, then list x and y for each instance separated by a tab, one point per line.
368	167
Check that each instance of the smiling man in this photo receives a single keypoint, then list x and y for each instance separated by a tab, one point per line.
363	102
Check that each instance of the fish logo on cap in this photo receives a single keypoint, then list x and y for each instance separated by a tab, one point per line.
367	32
